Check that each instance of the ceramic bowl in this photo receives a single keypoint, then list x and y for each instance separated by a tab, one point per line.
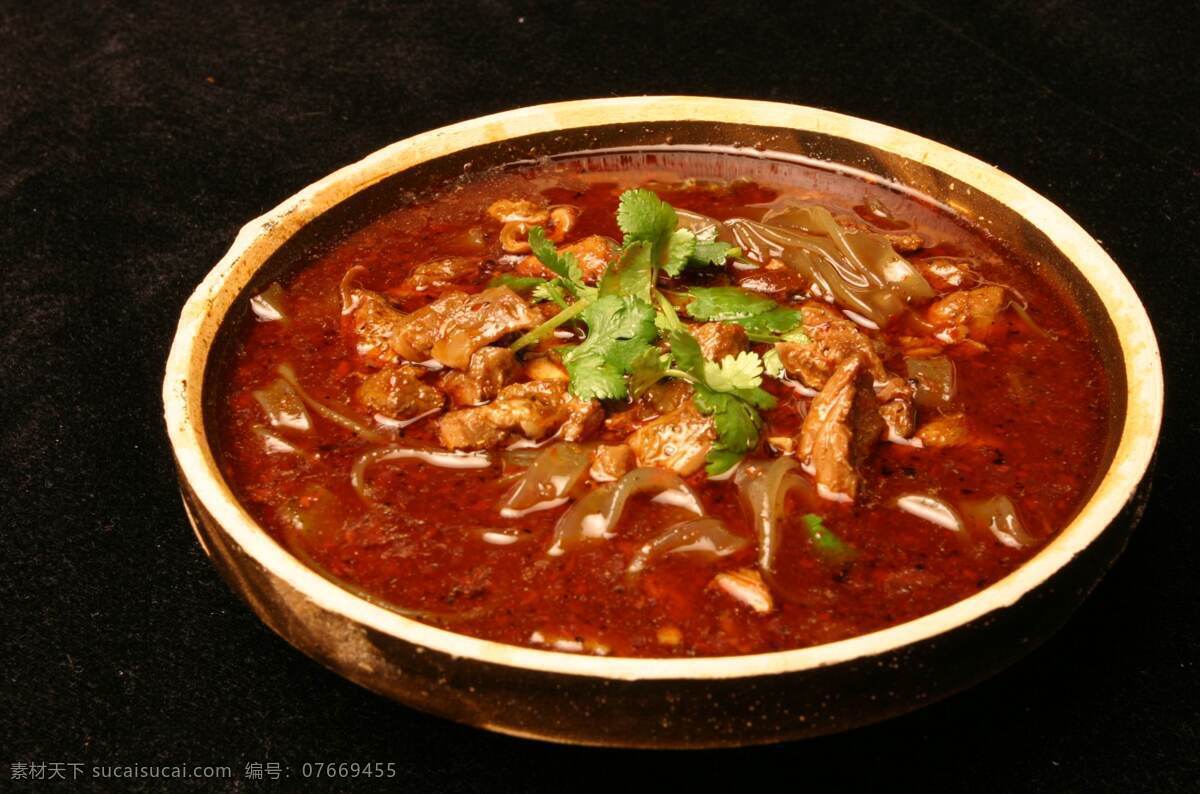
696	702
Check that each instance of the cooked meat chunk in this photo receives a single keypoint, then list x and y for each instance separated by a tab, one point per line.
944	431
478	320
416	340
593	253
905	242
784	445
718	340
611	462
374	322
967	313
544	368
778	283
842	424
832	339
477	428
899	417
667	395
437	274
747	586
490	370
517	210
679	441
519	216
398	392
895	398
946	274
546	391
584	417
661	398
386	334
535	410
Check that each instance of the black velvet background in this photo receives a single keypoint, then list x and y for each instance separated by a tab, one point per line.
135	141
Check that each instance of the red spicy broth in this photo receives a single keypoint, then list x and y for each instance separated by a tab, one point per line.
432	542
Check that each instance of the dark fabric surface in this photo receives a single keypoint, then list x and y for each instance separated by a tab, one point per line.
135	141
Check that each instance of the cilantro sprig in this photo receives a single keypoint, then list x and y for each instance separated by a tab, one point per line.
643	217
626	316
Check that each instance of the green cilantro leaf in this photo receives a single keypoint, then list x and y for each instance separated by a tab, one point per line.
764	319
780	320
620	330
737	424
689	360
680	249
709	251
685	352
758	397
713	252
632	275
734	373
772	365
796	335
619	357
726	303
592	376
643	217
647	369
565	266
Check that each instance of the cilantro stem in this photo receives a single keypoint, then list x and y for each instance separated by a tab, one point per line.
770	339
668	310
797	334
566	315
678	373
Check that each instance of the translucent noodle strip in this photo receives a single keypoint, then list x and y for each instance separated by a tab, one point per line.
353	425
